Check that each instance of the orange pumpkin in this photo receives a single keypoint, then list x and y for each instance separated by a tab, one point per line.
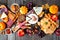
2	26
53	9
23	9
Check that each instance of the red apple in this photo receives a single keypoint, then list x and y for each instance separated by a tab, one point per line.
20	33
54	17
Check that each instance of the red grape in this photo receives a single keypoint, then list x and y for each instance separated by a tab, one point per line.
57	32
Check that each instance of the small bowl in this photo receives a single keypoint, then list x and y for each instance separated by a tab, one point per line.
8	31
31	20
16	9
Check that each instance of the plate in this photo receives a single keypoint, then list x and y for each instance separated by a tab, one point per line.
31	18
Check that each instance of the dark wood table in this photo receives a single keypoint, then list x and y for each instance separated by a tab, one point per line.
26	37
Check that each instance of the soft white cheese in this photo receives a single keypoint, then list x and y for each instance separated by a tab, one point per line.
38	10
3	15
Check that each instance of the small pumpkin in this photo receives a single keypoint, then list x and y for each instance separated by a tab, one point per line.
53	9
2	26
23	9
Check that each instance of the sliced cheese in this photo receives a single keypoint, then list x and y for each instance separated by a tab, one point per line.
38	10
27	18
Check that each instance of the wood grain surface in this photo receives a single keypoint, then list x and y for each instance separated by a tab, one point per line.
26	37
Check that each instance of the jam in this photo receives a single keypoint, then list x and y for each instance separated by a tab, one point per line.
8	31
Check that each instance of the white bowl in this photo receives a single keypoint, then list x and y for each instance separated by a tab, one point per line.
31	19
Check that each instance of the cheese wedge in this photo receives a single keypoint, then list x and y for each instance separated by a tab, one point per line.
38	10
27	18
3	15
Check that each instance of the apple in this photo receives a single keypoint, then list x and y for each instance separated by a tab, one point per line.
20	33
54	17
